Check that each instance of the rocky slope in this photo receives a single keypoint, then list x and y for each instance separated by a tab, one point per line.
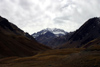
47	36
15	42
86	33
58	41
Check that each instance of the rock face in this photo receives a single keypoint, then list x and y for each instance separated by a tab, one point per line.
50	37
15	42
87	32
58	41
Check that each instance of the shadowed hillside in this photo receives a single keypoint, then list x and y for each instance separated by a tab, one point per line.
87	32
15	42
58	41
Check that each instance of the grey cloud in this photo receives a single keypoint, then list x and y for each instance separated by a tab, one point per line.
30	15
78	12
25	4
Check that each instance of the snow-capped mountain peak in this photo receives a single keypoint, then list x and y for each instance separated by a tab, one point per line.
55	31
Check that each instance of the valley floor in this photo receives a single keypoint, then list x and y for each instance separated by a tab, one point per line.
72	57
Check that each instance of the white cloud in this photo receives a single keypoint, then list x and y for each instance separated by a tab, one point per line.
34	15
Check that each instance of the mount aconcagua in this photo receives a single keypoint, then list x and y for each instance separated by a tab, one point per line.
55	31
49	35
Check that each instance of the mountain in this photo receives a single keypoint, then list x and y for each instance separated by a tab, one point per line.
89	31
15	42
47	35
55	31
58	41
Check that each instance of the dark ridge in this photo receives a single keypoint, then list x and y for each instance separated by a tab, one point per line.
87	32
5	24
15	42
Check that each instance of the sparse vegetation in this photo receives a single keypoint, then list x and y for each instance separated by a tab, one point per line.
71	57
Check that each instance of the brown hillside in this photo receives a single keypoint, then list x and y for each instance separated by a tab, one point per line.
15	42
71	57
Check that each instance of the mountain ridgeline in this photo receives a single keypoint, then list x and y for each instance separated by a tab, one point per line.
51	37
89	31
15	42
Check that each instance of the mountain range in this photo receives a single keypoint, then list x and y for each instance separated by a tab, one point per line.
86	33
80	48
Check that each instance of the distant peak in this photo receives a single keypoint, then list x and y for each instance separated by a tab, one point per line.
49	29
55	31
95	18
52	29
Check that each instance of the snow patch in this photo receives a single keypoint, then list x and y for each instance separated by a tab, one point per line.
59	32
55	31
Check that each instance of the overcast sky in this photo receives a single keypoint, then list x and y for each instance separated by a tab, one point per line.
35	15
